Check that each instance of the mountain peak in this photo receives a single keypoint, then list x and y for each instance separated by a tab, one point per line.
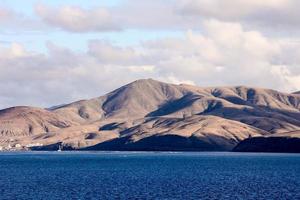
146	81
140	97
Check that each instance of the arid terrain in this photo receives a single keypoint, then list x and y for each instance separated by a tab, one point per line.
151	115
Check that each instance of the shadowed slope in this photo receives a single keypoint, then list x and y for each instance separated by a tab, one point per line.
192	133
269	144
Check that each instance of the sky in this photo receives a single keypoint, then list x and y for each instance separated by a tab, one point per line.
58	51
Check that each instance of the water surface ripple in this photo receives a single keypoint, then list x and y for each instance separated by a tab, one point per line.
137	175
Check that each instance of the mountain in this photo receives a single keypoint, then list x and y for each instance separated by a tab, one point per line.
26	121
151	115
284	142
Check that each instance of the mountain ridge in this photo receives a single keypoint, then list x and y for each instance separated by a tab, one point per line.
224	116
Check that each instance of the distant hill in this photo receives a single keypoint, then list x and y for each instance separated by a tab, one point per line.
151	115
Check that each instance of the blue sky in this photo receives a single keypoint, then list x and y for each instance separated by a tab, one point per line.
59	51
36	41
27	5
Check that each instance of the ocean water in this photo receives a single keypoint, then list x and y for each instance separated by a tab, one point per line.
136	175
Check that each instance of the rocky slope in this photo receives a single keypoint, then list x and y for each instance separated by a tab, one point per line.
152	115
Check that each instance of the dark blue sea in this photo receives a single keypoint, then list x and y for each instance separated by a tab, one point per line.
136	175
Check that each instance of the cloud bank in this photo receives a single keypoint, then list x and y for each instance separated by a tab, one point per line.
224	54
221	44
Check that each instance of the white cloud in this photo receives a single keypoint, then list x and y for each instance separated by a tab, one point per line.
243	57
77	19
229	9
107	53
175	80
13	22
142	68
222	54
15	50
266	15
286	77
60	76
